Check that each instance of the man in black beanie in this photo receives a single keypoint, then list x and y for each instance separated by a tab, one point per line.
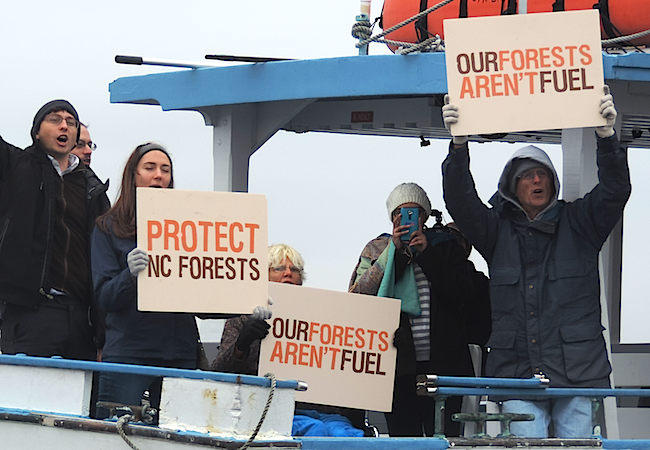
48	205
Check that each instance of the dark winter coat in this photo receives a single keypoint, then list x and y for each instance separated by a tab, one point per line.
28	186
129	332
544	281
446	269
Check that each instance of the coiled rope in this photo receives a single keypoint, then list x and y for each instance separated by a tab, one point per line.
126	418
266	410
364	30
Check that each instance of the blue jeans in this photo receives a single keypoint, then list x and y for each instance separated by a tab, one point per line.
571	417
128	389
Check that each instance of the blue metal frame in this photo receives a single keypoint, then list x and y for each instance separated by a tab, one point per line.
59	363
346	77
542	392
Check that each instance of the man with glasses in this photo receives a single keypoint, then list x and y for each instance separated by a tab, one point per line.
48	205
85	146
543	259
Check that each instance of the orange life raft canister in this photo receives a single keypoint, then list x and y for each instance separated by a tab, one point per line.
617	17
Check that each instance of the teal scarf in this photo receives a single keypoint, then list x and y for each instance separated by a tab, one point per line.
404	289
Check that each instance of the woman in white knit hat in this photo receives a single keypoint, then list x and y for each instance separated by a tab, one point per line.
429	274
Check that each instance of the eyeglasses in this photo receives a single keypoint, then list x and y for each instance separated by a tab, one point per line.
281	269
56	119
82	144
531	174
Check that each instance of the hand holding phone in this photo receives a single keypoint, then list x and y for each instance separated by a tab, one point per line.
410	217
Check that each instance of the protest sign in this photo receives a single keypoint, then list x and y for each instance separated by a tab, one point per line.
525	72
208	251
340	344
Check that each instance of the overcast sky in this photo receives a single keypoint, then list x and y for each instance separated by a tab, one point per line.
326	193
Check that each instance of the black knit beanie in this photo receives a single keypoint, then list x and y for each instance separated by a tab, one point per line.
54	105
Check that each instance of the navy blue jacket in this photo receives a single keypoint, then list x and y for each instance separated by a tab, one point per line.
544	282
129	332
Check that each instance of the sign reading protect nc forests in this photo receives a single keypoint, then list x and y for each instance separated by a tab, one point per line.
208	251
340	344
525	72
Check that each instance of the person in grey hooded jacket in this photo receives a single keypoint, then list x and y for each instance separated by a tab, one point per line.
543	258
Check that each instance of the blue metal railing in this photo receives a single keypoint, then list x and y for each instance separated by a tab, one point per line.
441	387
60	363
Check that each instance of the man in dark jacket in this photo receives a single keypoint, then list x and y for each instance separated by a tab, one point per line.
543	259
48	205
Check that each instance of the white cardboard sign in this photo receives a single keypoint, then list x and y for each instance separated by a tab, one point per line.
208	251
525	72
341	344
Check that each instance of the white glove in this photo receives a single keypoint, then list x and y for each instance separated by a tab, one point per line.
450	117
137	260
260	312
608	112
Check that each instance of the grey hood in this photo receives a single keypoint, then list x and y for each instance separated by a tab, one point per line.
536	154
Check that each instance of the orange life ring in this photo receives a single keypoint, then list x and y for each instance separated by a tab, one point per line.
618	17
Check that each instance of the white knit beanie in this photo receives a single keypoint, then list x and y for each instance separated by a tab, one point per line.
408	193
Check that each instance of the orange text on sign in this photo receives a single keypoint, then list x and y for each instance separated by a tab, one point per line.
206	236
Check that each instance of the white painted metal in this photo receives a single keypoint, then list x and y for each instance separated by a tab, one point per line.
225	409
23	436
45	389
238	131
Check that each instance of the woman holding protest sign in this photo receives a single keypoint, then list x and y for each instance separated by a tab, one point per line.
134	337
239	352
427	270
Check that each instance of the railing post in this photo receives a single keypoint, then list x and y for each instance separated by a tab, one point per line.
439	420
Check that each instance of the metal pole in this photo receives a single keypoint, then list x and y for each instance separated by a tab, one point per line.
140	61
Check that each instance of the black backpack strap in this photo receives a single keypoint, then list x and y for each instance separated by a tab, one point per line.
511	9
462	13
422	24
610	30
558	5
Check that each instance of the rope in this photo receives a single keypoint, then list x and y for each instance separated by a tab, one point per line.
120	424
401	24
426	43
266	410
629	37
362	29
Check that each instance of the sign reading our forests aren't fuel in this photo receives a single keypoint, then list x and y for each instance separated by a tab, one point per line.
340	344
525	72
208	251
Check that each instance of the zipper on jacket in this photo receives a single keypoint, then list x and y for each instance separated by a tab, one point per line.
3	232
68	235
48	237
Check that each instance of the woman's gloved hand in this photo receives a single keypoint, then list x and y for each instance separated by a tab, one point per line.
137	260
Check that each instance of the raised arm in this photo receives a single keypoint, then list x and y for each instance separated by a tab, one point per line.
597	213
459	192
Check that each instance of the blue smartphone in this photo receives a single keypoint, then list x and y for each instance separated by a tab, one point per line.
411	217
